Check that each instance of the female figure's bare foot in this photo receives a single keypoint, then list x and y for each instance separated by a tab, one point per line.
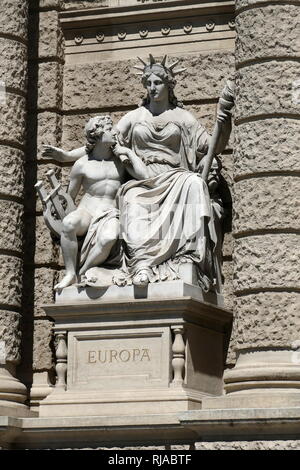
119	279
67	280
141	278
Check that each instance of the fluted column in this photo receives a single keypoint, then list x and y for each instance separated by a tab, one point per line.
266	202
13	75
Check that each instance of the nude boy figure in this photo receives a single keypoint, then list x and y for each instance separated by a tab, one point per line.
100	173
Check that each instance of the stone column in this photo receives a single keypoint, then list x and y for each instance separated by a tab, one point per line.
266	205
13	75
42	263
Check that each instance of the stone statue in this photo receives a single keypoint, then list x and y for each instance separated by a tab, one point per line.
100	174
169	214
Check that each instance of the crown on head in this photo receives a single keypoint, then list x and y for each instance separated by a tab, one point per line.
163	64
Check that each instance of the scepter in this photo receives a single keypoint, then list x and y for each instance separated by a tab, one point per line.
227	100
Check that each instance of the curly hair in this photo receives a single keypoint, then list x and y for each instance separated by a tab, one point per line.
94	129
166	76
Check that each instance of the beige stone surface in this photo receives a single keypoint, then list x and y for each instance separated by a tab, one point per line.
266	146
49	131
227	273
11	281
14	18
205	77
267	203
266	320
252	3
50	85
12	119
249	445
46	251
11	226
227	245
13	63
42	352
258	38
267	261
49	34
11	335
274	95
79	4
12	171
51	3
44	281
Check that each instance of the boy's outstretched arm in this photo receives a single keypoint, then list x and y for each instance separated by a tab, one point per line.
55	153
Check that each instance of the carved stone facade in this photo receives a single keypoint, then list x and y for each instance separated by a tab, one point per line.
66	61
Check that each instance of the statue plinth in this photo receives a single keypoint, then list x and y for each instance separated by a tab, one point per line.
136	355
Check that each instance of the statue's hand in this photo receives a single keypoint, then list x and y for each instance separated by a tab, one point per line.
224	114
122	153
119	150
53	153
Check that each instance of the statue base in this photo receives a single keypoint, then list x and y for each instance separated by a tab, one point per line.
136	355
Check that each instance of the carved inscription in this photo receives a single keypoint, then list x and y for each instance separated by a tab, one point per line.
118	356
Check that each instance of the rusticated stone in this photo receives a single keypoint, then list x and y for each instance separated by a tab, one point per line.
258	38
227	168
13	69
204	78
49	131
11	171
51	3
253	3
205	113
267	261
50	85
227	245
267	203
249	445
267	146
11	269
48	34
42	352
227	275
11	335
267	89
266	320
44	281
12	119
46	250
11	226
14	18
78	5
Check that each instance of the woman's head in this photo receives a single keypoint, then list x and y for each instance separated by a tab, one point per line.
163	77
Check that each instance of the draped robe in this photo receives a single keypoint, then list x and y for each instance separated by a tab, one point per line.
169	218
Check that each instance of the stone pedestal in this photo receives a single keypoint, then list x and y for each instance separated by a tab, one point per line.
136	356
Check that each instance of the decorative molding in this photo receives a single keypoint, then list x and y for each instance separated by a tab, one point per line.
165	30
210	25
100	37
103	33
188	28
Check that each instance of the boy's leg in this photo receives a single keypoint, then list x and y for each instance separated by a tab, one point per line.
74	224
105	241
